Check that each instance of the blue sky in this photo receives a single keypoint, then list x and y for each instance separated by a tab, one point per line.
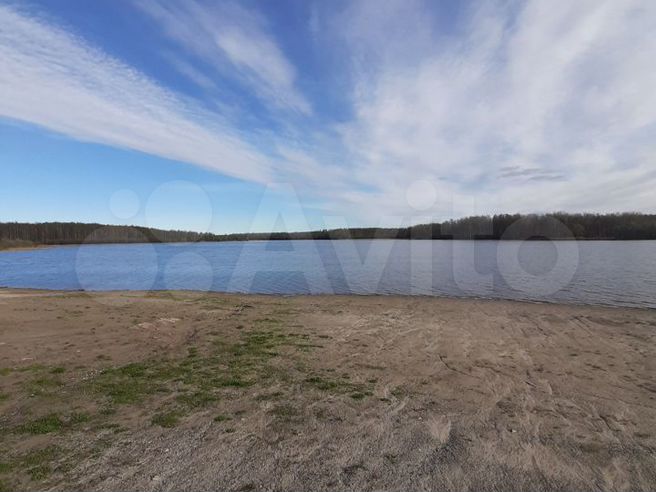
225	116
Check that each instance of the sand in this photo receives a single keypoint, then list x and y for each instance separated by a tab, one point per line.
191	391
19	245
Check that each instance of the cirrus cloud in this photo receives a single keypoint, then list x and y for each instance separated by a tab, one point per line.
53	79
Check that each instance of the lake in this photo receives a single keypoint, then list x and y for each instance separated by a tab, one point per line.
590	272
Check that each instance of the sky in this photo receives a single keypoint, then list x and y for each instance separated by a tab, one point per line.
228	116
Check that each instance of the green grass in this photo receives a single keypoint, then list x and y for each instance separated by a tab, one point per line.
32	368
166	419
79	418
323	384
125	385
257	345
4	396
198	378
399	392
212	303
108	410
335	385
204	376
197	399
122	392
356	391
40	472
201	378
237	364
37	464
43	425
53	422
43	385
232	383
270	396
285	412
43	381
136	369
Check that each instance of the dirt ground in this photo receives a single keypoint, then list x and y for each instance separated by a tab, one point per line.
190	391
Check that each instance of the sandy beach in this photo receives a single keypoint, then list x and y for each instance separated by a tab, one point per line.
196	391
9	246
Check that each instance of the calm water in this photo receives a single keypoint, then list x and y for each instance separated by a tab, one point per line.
599	272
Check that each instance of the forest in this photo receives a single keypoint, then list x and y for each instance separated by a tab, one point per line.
620	226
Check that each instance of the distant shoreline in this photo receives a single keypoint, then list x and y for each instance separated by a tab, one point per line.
503	227
124	243
27	247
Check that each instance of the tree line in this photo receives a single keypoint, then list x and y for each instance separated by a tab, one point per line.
77	233
621	226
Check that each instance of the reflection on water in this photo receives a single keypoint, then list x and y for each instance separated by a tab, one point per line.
594	272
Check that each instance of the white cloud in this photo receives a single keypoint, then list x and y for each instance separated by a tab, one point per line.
190	72
53	79
235	42
563	92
